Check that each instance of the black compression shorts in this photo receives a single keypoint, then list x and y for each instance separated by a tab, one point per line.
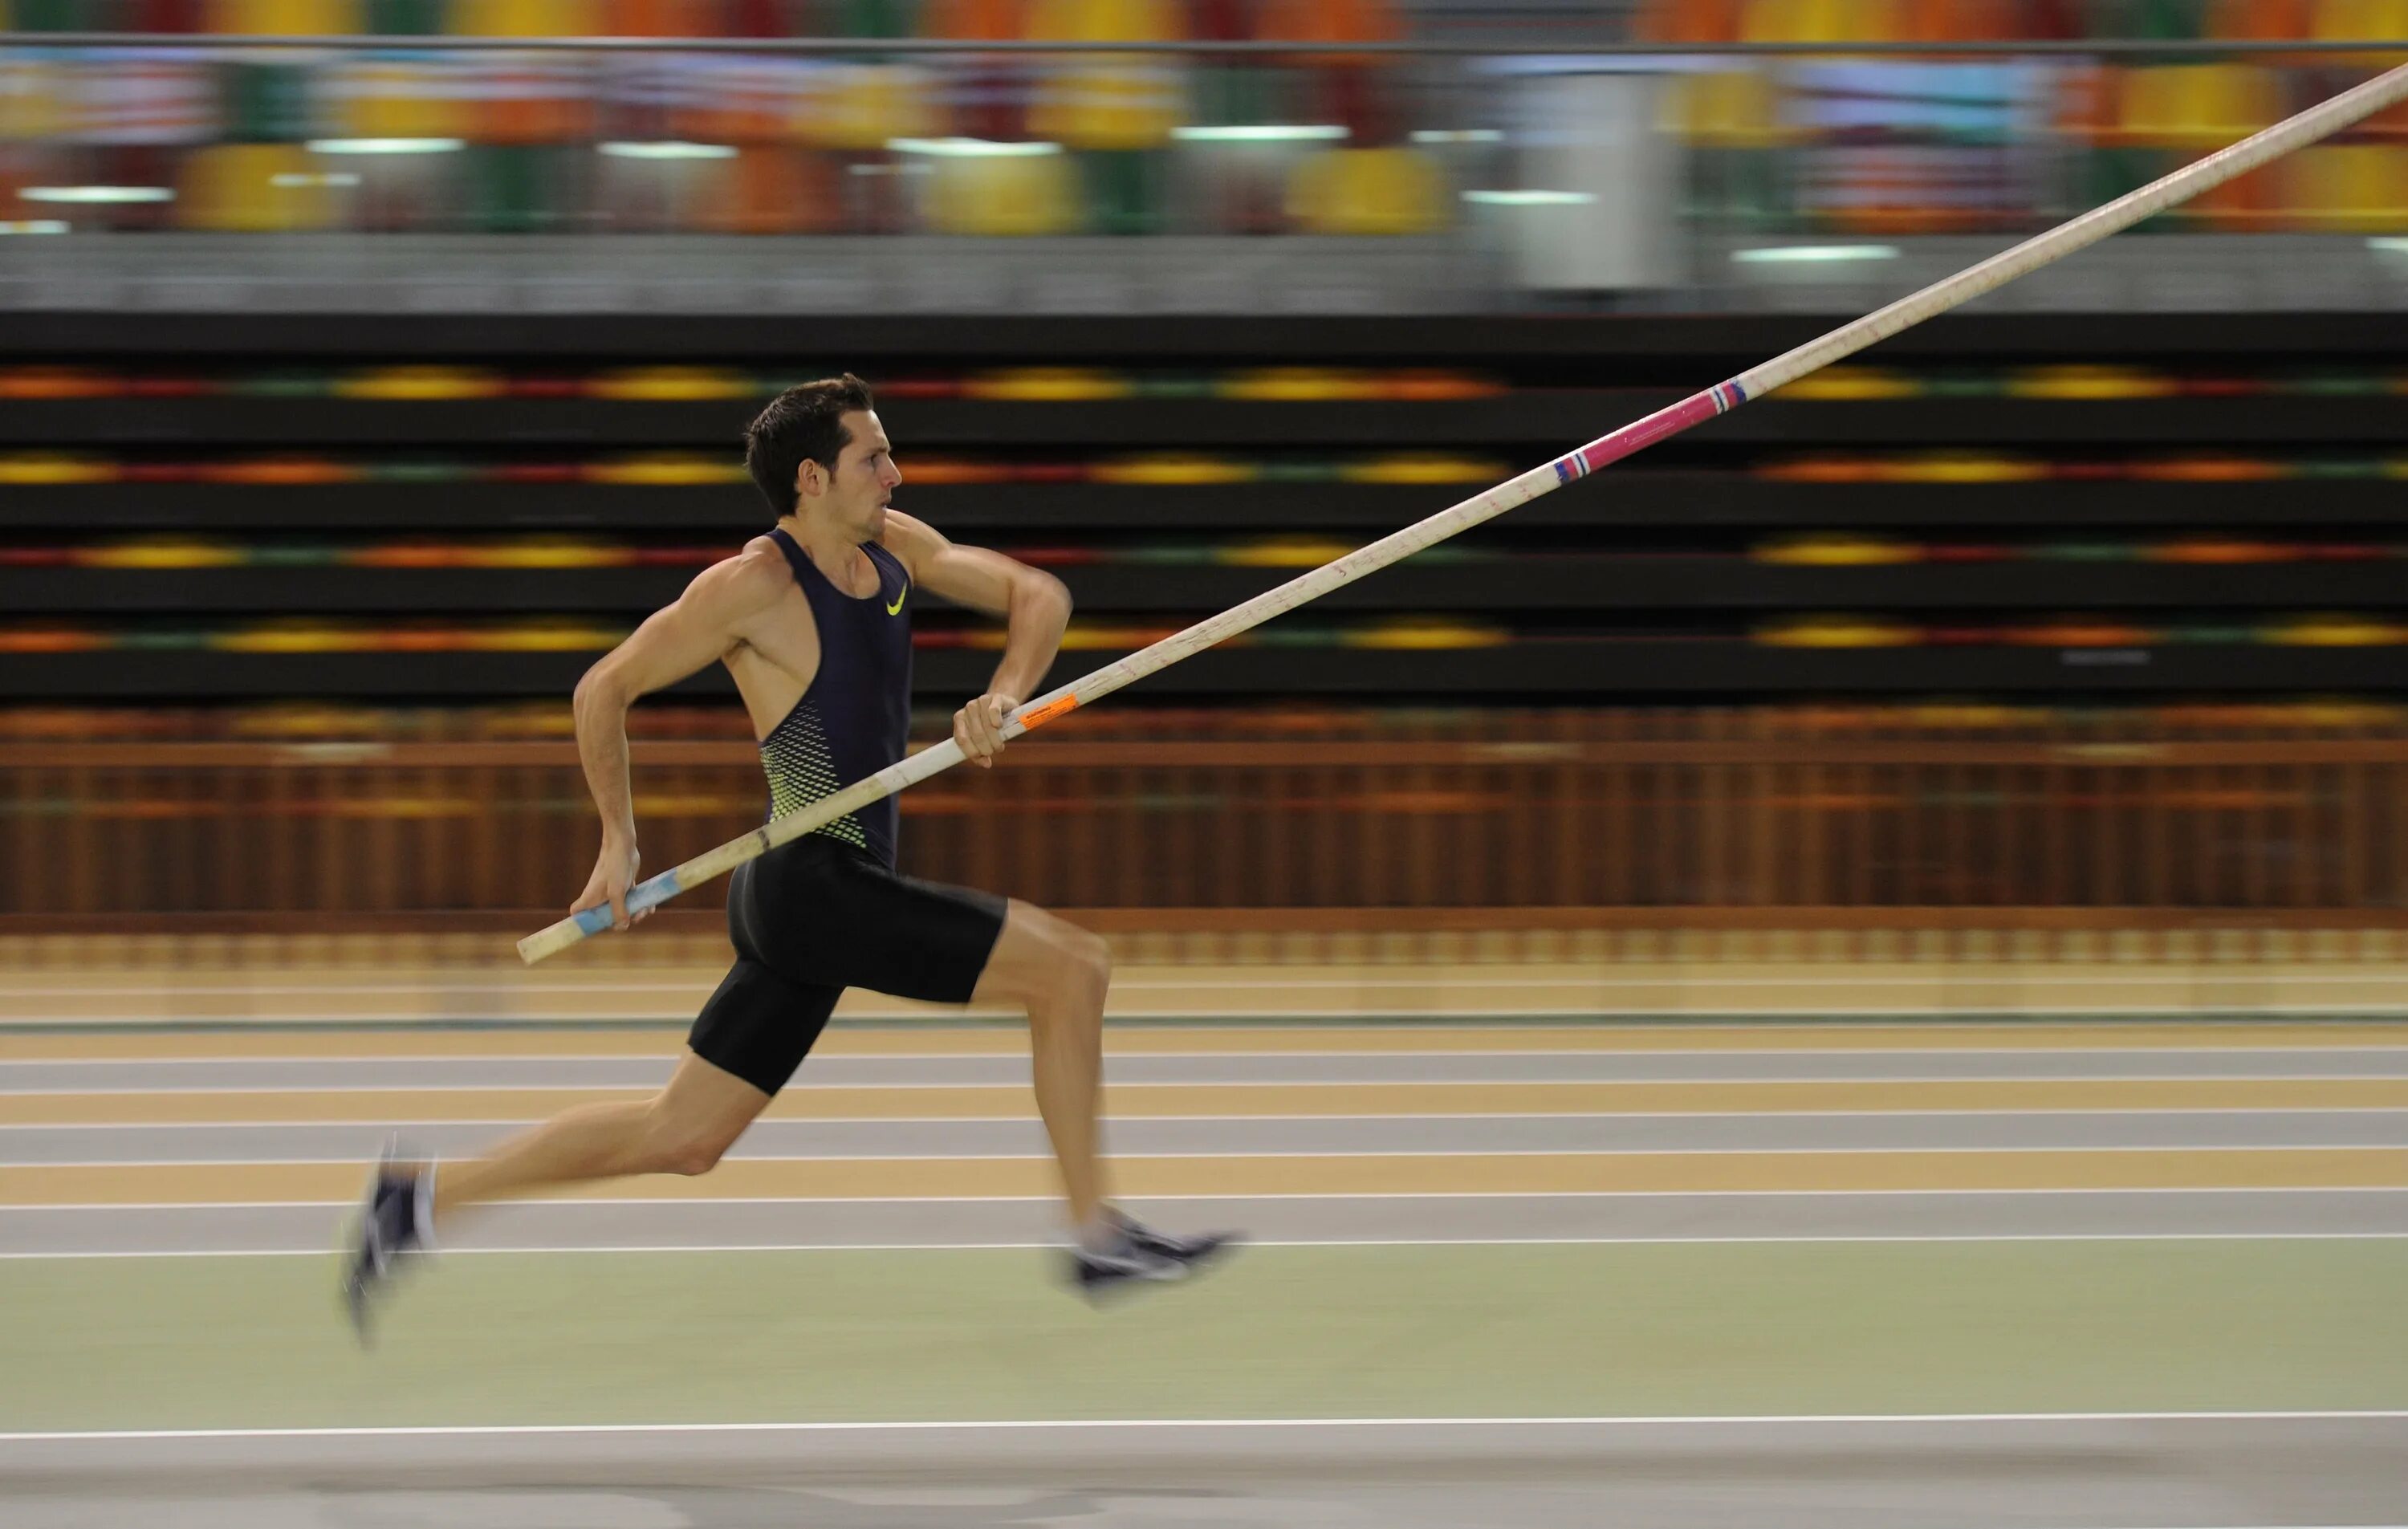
815	917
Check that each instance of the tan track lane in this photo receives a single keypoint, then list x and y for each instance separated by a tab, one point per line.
938	1039
1308	1174
1008	1101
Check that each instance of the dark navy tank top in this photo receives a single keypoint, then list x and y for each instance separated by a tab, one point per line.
855	715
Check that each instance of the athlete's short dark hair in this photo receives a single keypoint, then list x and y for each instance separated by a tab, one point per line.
804	423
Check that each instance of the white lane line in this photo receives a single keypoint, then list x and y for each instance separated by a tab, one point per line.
606	1202
1907	1080
832	1159
985	1425
1380	1054
1731	1017
449	1250
2184	973
1958	1020
775	1122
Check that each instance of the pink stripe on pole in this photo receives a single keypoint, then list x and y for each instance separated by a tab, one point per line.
1641	434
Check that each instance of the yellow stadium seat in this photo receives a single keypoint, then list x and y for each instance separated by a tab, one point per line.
1016	195
1098	105
2353	187
861	107
1103	20
284	18
1101	100
2176	112
376	98
253	188
2149	105
2197	106
1738	109
2230	102
2342	21
526	18
36	98
1872	21
1822	21
1368	191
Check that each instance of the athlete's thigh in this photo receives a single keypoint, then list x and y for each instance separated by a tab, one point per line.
1033	952
758	1027
858	923
705	1101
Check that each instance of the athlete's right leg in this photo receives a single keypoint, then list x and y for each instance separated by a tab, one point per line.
683	1129
1058	972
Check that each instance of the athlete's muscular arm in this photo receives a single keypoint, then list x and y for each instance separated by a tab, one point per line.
1034	605
708	620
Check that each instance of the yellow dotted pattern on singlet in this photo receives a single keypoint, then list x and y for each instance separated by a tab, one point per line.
801	771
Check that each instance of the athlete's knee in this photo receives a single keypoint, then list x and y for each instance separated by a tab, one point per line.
684	1147
691	1153
1090	956
1081	968
1045	960
693	1158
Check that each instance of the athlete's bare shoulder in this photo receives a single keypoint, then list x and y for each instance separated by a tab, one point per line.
909	538
736	589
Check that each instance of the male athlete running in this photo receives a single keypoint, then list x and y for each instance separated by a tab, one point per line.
813	621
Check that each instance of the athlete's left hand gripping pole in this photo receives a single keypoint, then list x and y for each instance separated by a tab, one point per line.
2317	121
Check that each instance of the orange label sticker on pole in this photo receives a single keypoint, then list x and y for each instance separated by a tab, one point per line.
1031	720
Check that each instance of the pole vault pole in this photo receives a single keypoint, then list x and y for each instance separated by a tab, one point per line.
2317	121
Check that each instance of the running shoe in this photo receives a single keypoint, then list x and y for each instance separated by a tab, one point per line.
396	1224
1143	1254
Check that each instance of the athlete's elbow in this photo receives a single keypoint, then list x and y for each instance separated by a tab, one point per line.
601	690
1041	594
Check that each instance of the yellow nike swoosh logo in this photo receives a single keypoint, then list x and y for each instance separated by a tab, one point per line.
897	609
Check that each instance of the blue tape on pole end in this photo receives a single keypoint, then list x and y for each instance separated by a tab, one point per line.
641	897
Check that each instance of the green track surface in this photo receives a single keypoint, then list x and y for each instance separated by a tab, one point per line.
1282	1332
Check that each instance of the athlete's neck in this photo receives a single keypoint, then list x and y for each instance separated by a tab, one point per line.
832	549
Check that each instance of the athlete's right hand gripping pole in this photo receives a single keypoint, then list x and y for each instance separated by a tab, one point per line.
2316	122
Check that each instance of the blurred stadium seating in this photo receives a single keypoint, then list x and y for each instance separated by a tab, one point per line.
1319	140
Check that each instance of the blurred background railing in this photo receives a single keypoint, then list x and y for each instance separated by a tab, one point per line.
1782	814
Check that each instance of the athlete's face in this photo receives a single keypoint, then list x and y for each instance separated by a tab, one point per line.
856	495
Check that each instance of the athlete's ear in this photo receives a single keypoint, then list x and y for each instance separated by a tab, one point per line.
804	485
